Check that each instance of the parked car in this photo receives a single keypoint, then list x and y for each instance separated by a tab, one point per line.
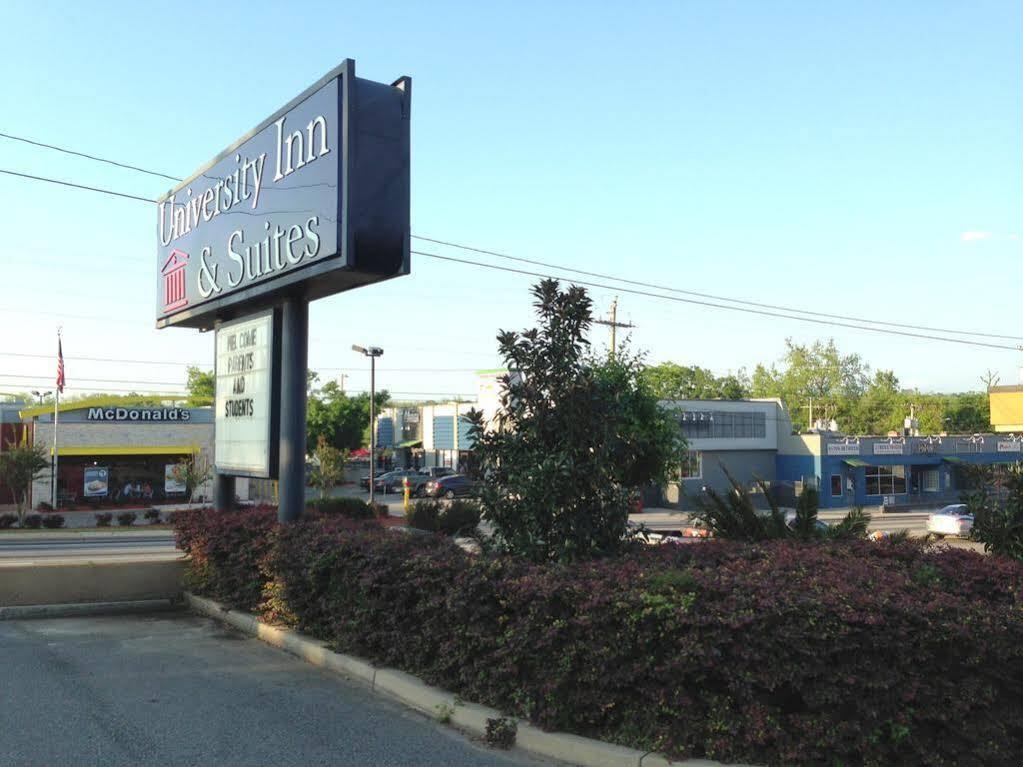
394	481
433	472
449	486
364	479
951	520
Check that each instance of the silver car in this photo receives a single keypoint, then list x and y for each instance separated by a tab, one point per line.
951	520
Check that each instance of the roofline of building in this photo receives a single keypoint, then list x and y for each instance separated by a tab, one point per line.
82	404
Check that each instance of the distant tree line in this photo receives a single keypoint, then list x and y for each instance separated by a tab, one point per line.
839	387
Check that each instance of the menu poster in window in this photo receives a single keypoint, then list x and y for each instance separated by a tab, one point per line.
173	481
246	419
96	481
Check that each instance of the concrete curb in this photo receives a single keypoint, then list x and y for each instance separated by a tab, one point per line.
437	703
31	612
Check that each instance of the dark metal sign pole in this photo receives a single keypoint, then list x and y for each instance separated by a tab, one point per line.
294	363
223	492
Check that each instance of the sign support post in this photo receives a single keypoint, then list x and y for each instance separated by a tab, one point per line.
294	364
223	492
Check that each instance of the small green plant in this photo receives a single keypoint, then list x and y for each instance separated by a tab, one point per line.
7	520
33	521
103	519
152	516
53	521
126	518
444	712
501	732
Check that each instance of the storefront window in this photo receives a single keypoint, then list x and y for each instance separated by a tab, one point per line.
692	466
931	481
886	480
836	485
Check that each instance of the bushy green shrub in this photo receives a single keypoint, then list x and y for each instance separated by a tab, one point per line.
424	515
152	516
7	520
997	523
103	519
53	521
33	521
459	518
781	652
352	508
455	518
126	518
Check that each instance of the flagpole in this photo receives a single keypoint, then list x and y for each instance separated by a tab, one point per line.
56	416
56	406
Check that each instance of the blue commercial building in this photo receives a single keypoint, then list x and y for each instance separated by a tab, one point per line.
891	471
754	442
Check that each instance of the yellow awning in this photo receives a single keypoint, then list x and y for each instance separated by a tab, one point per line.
137	450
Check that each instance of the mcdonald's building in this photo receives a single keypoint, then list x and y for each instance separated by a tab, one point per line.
110	453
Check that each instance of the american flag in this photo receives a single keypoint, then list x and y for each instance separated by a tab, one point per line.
60	367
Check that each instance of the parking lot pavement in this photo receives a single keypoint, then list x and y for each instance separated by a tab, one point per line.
175	689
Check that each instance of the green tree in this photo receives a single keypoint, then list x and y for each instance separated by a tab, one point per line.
554	483
646	442
671	381
330	469
882	407
192	471
968	413
201	386
817	373
20	466
341	419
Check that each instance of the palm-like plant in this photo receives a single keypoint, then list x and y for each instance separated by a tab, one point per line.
734	516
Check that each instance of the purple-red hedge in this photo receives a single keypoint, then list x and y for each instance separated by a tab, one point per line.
778	653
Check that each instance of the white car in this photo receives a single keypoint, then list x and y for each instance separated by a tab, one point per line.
951	520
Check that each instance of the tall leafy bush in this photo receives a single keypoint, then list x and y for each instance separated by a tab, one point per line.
572	439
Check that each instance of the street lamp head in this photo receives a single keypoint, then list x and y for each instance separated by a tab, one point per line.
372	351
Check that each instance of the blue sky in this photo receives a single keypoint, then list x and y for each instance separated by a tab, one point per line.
858	158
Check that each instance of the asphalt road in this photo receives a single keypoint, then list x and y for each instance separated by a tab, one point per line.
174	689
26	546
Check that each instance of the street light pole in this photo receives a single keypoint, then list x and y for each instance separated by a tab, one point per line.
372	352
372	426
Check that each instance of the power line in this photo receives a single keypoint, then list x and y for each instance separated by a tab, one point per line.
76	186
88	156
711	296
534	262
708	304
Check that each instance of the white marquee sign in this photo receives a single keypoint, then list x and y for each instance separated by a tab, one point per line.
244	438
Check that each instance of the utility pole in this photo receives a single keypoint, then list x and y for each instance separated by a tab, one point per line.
614	324
810	406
